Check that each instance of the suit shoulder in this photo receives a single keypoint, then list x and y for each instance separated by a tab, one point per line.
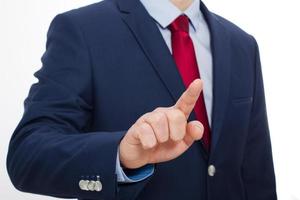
240	39
238	34
94	12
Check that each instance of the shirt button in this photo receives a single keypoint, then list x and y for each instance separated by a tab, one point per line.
211	170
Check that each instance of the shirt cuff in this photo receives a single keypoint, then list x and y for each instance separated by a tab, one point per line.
132	175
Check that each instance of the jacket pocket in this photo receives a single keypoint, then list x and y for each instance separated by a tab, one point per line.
242	100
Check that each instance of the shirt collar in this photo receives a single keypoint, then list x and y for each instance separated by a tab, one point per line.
164	12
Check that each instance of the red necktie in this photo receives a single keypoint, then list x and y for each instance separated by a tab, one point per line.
185	59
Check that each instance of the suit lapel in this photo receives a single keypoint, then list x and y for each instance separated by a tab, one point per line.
152	43
220	45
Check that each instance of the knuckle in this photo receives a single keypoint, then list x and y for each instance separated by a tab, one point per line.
158	109
142	118
150	143
144	127
146	115
159	117
141	130
146	145
153	144
161	125
178	116
176	137
138	131
134	129
161	137
164	139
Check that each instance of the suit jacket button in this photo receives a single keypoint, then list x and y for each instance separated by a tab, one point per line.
83	185
98	186
91	185
211	170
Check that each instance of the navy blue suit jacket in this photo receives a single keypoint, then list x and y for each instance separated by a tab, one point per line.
107	64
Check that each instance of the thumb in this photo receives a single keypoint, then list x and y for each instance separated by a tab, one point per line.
194	131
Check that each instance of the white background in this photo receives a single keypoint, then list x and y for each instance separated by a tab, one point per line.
274	23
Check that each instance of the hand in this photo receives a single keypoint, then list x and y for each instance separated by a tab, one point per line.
163	134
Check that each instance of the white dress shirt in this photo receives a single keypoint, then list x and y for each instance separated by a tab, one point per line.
164	12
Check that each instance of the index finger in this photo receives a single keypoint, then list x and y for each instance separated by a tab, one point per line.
189	97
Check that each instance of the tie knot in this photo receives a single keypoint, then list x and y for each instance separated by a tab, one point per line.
181	23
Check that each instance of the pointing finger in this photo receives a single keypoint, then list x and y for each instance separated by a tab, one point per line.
189	97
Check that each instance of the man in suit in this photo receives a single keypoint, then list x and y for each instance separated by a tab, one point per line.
119	111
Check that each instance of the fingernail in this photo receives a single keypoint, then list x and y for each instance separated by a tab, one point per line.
199	126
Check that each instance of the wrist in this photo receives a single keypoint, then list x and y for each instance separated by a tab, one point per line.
123	161
128	158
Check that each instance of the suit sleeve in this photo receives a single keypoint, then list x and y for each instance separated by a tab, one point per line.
52	148
258	169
